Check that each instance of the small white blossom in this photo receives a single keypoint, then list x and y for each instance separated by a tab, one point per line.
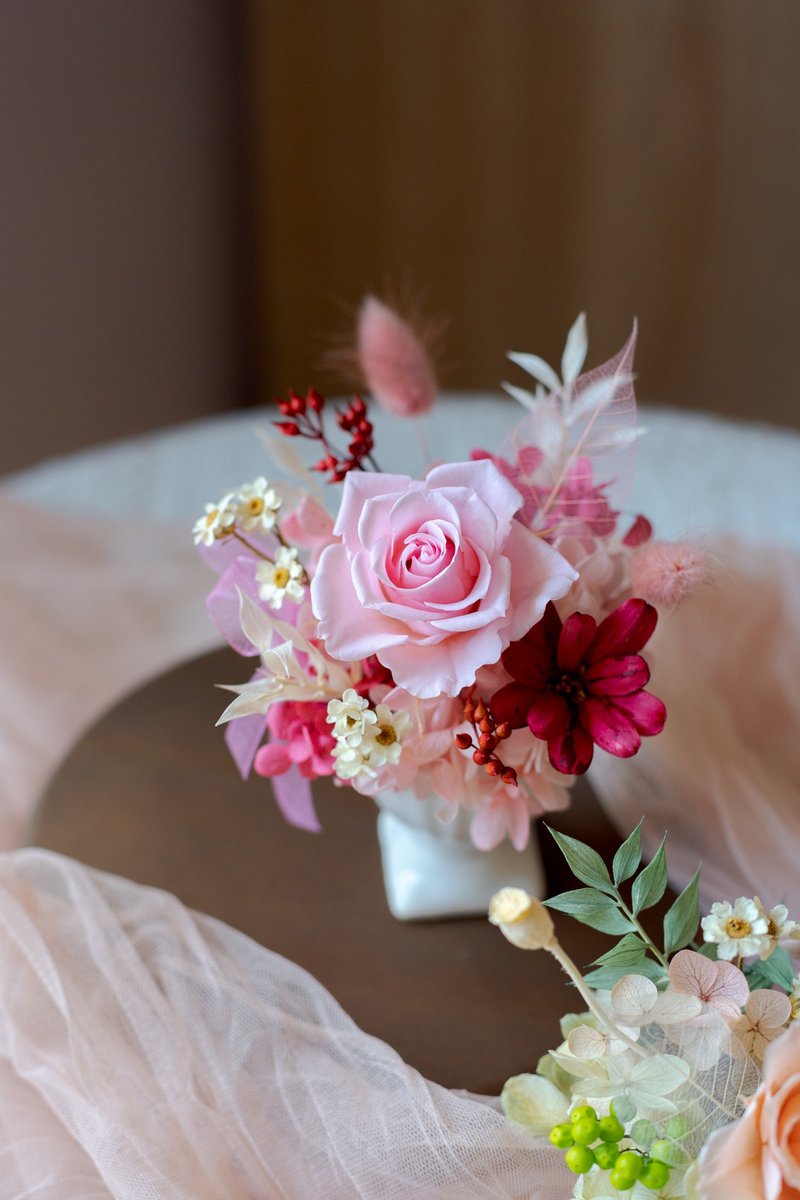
794	998
281	578
738	929
385	737
351	717
351	762
257	505
778	926
217	521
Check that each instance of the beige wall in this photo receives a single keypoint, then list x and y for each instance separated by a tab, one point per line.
516	161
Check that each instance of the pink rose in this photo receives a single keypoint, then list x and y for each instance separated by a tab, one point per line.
434	577
758	1156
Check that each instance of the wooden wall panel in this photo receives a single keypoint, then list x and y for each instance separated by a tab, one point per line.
515	161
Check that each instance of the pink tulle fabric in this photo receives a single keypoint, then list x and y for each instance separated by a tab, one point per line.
724	775
148	1053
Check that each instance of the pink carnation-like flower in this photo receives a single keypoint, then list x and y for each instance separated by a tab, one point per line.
580	684
434	577
758	1156
301	736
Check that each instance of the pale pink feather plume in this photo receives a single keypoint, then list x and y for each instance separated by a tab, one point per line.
668	572
394	363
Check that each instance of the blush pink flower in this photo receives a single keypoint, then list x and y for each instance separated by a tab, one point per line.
581	684
758	1156
722	990
301	736
434	577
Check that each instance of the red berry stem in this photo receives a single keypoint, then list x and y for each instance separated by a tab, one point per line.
305	419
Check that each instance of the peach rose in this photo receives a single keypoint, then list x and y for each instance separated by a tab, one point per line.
758	1156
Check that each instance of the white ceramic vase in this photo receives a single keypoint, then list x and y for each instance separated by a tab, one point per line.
432	869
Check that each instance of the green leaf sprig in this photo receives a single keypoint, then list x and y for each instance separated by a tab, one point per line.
602	906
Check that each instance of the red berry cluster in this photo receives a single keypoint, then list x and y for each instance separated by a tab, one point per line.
306	420
487	736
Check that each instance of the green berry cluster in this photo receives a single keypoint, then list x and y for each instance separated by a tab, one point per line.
592	1141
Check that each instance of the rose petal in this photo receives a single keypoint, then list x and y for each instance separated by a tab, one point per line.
618	676
350	631
577	635
361	487
624	631
484	478
609	728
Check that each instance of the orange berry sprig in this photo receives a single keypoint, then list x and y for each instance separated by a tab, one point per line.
485	739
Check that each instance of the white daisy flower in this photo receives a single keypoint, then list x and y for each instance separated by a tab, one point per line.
257	505
351	718
217	521
281	578
386	735
737	929
778	927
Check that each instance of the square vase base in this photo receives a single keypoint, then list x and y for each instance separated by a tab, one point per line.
429	874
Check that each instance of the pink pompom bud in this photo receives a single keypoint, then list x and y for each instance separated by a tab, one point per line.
394	363
666	573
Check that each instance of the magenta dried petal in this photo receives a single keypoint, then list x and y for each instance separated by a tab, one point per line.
548	715
645	710
511	704
609	728
571	752
618	676
531	659
577	635
624	631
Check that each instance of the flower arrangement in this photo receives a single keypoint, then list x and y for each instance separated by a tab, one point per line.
473	633
681	1078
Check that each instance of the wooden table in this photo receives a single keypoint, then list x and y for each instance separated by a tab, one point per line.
150	793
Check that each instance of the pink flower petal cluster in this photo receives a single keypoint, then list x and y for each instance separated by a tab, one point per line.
434	577
758	1156
580	508
300	736
580	684
722	990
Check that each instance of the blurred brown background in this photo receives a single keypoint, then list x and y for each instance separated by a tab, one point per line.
193	190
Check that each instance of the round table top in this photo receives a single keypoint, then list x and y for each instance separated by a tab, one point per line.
150	793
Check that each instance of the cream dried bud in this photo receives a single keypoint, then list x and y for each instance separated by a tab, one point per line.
522	918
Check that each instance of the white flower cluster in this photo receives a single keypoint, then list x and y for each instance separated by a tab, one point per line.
367	739
254	506
744	928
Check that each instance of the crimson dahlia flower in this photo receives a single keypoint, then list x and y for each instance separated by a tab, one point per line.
581	685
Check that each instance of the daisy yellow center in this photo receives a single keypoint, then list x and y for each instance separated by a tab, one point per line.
737	927
255	506
795	1013
772	928
385	736
212	516
281	576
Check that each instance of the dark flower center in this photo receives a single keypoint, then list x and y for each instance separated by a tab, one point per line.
571	688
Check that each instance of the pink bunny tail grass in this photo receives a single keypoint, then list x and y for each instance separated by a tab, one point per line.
667	573
394	362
